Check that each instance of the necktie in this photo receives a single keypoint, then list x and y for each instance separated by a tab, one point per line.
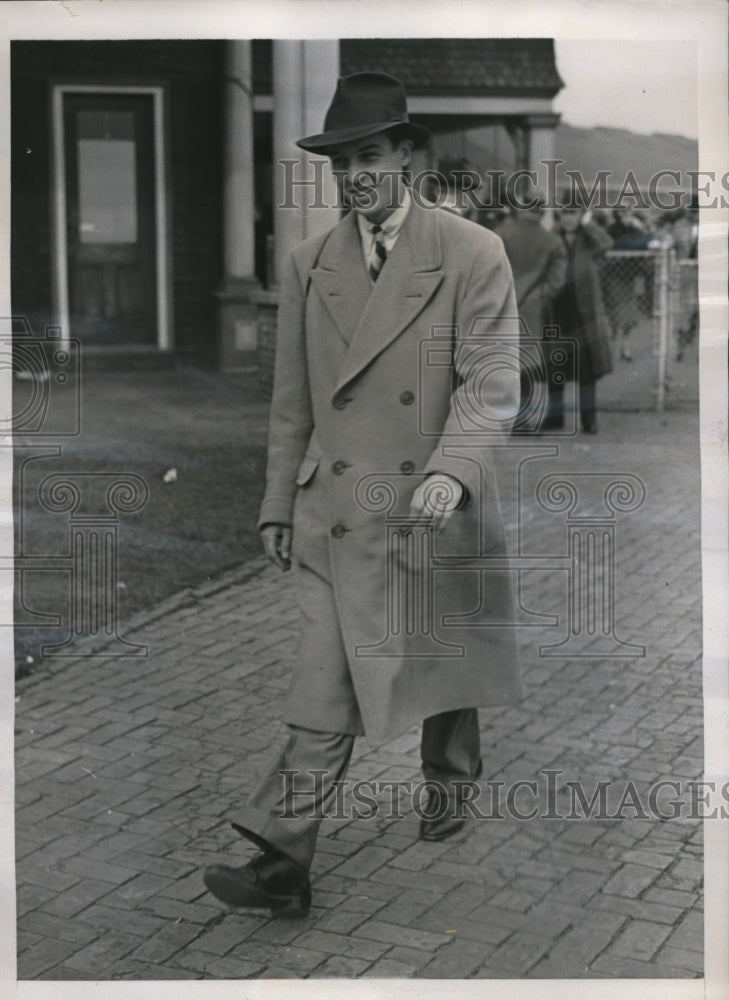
380	253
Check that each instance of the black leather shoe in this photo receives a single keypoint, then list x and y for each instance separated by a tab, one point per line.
269	880
444	821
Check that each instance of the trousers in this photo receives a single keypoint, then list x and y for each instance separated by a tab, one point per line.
297	789
323	719
587	402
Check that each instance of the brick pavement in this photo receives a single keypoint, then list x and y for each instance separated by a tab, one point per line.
128	769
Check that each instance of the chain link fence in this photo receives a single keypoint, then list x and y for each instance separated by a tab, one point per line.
684	305
651	298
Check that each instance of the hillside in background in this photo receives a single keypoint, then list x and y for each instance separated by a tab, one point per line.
585	150
590	150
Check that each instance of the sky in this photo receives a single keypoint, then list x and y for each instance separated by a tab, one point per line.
643	86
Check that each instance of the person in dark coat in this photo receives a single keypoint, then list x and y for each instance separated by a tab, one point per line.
539	263
579	311
380	453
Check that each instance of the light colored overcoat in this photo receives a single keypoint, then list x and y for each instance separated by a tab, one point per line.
376	386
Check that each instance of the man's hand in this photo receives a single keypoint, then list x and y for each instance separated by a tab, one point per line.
277	543
435	500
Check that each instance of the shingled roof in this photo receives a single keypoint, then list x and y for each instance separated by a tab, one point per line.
484	67
459	66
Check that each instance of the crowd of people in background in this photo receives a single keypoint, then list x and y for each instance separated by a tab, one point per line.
563	281
630	228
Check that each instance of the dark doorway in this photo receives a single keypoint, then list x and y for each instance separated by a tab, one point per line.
110	213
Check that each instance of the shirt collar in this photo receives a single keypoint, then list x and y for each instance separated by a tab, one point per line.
392	224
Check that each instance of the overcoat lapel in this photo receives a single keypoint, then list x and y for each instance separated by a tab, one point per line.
340	278
405	286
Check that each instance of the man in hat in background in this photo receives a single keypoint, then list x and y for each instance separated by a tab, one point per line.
579	311
390	386
462	188
539	264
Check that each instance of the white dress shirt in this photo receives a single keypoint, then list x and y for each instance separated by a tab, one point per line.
390	230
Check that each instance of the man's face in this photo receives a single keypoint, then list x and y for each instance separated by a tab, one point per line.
368	173
570	220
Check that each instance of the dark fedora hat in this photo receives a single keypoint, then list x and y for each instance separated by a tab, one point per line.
365	103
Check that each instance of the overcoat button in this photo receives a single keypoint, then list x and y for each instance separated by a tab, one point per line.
407	397
407	468
338	531
338	467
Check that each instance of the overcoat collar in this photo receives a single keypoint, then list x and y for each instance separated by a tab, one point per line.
369	317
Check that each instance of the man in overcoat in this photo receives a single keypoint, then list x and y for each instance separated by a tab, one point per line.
396	379
579	311
539	264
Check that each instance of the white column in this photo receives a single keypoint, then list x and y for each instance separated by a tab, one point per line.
237	333
238	192
541	149
304	79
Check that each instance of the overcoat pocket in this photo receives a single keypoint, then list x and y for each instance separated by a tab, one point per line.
307	469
